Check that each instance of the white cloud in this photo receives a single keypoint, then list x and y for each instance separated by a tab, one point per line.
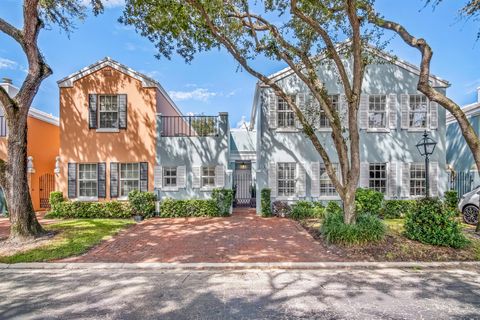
7	64
200	94
242	124
106	3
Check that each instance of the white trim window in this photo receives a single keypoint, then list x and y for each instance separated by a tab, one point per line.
108	112
87	180
208	177
377	111
327	189
129	178
418	111
417	179
170	177
285	115
378	177
286	173
323	121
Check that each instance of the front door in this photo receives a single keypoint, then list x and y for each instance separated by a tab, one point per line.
243	185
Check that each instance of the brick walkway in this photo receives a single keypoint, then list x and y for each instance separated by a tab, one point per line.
5	224
243	237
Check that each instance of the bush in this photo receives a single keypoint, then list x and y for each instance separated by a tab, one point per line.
224	200
368	201
265	203
281	209
432	223
333	207
89	210
451	200
306	209
142	203
170	208
55	198
394	209
367	228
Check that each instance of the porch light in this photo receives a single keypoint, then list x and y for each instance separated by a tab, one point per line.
426	146
57	165
30	167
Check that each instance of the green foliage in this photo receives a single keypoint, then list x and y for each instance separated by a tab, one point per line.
281	209
170	208
224	200
431	222
368	201
90	210
307	209
451	200
394	209
333	207
265	203
142	203
55	198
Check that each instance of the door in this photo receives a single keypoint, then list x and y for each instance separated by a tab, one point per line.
243	185
47	185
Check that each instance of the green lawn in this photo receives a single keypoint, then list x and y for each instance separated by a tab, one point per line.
73	237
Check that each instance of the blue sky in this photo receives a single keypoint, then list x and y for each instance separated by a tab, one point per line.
212	82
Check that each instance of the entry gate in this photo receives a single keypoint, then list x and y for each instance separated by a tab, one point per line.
47	185
244	188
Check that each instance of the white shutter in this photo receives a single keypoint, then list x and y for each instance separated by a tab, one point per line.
433	177
219	176
196	183
364	174
392	111
363	111
315	180
157	177
404	101
272	179
392	180
181	177
301	184
433	115
300	100
343	110
272	110
406	180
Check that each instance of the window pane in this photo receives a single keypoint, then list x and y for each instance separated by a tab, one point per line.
378	174
417	179
377	111
87	180
286	179
208	176
108	112
327	189
129	178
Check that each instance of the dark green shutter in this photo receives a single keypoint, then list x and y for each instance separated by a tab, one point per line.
122	111
114	180
144	176
72	180
92	111
101	177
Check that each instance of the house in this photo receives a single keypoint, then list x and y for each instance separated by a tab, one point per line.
464	173
393	116
42	149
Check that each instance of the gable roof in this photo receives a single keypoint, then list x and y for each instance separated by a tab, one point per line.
146	81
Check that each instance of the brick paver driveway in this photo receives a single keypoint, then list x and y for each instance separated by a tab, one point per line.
240	238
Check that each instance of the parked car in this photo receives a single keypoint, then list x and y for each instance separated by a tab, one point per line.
468	206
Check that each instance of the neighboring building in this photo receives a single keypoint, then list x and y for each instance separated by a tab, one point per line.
43	143
392	118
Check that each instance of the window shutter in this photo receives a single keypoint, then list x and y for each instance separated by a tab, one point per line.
272	110
300	101
301	182
219	176
122	111
272	179
144	176
102	179
343	111
92	111
315	180
433	178
157	177
404	101
392	180
114	179
406	180
364	174
196	183
181	177
72	180
433	115
363	111
392	111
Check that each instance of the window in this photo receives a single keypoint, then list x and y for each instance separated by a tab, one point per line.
286	179
324	123
327	189
418	111
417	179
377	111
108	112
170	177
129	178
208	176
378	177
87	180
286	116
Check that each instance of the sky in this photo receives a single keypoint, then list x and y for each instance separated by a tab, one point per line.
213	81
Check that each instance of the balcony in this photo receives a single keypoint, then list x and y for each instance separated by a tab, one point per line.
190	126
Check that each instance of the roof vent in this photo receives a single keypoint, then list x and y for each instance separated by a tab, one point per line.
7	80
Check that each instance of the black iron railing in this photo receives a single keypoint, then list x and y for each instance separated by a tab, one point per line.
3	126
190	126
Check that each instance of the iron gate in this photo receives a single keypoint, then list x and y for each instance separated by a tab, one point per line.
461	181
244	189
47	185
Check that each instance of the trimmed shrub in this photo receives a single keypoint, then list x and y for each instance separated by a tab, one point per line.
451	200
307	209
334	207
395	209
55	198
432	223
281	209
265	203
170	208
142	203
368	201
224	200
90	210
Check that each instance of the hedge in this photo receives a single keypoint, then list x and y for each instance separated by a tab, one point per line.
368	201
170	208
142	203
394	209
265	203
90	210
224	200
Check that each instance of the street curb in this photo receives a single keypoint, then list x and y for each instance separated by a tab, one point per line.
240	266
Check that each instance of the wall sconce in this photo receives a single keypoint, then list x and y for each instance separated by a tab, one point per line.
57	165
30	167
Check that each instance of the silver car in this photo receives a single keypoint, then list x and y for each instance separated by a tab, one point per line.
468	206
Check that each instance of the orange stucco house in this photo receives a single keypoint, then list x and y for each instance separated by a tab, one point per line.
42	149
